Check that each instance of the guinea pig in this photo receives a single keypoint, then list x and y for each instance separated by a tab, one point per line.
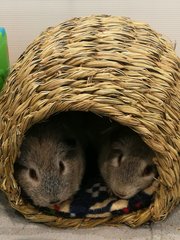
51	164
125	162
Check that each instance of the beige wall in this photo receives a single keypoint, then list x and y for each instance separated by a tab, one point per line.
25	19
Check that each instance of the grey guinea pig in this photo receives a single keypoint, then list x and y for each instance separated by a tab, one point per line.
125	162
51	164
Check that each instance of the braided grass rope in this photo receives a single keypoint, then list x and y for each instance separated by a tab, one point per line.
110	66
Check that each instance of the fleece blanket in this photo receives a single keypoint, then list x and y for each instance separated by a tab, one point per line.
94	200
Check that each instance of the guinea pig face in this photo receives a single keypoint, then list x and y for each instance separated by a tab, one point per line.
130	174
50	172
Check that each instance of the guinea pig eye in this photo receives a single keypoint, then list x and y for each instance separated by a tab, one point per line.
32	174
120	158
116	160
148	170
61	166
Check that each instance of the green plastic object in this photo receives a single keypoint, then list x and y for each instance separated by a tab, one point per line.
4	57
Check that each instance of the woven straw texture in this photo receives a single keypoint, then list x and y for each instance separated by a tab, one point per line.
110	66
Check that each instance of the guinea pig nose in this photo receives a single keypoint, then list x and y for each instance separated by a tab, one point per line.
122	195
54	202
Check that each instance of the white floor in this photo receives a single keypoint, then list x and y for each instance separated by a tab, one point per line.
15	227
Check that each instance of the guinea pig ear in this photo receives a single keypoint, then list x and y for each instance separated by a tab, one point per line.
116	159
25	148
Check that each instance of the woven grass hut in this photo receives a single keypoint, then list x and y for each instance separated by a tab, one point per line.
110	66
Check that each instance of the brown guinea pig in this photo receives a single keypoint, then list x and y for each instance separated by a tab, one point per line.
125	162
51	163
